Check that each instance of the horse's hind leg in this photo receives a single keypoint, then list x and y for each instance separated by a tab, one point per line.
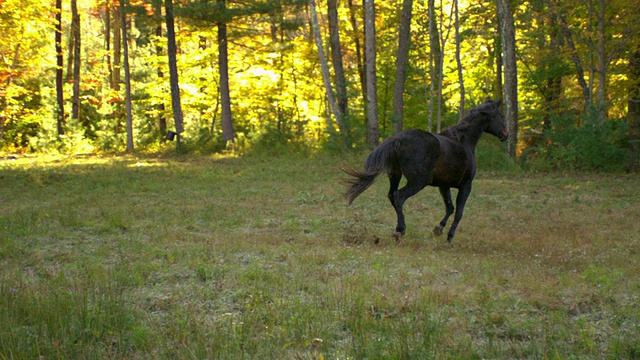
400	196
394	181
446	196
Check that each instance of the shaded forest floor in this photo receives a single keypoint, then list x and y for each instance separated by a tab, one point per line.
256	257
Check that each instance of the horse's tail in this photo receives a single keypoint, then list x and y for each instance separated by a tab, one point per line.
379	161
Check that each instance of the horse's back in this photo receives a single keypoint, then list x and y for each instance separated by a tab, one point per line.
418	140
417	150
441	160
416	137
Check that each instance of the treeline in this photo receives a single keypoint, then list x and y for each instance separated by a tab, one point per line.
89	75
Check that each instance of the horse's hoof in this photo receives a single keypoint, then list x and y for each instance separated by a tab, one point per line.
437	231
396	236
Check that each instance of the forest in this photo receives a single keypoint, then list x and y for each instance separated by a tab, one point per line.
92	76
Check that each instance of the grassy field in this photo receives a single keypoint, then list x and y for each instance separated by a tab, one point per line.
259	258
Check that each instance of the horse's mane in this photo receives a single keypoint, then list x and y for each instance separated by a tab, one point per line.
462	127
457	131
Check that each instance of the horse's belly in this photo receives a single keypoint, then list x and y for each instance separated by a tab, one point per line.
448	180
449	174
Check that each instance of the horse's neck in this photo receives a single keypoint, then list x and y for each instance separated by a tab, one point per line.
467	134
473	138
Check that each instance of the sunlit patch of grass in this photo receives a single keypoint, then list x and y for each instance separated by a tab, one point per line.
208	257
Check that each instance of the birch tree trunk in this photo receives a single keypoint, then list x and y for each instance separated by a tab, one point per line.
402	57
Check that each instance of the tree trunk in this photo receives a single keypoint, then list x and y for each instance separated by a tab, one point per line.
359	57
324	66
107	36
59	70
127	76
633	114
173	71
497	91
3	108
223	61
434	60
590	108
444	37
215	110
577	62
117	47
75	31
116	77
510	90
402	57
69	73
338	67
459	62
554	84
161	118
601	91
370	66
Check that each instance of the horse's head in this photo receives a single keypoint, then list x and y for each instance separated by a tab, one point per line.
495	126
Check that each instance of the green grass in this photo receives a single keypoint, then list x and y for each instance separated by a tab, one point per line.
259	258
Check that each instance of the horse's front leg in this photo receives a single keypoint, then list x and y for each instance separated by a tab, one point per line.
461	200
446	196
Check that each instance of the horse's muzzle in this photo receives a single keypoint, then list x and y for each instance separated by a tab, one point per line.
504	136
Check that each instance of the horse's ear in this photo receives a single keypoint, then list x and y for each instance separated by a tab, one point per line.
498	103
488	100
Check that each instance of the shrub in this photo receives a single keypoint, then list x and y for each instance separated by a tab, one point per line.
491	155
573	143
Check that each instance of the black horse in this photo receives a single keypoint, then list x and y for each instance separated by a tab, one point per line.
446	160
